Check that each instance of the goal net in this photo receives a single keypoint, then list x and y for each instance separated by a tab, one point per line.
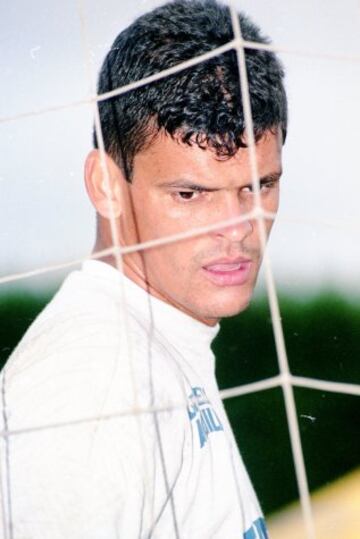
69	107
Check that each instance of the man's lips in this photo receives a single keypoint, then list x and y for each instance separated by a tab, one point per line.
228	272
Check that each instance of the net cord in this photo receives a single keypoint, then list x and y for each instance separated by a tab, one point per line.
173	238
116	243
272	294
179	67
237	391
285	379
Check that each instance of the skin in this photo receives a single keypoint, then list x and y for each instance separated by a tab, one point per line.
175	188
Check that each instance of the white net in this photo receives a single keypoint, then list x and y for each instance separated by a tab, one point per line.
284	379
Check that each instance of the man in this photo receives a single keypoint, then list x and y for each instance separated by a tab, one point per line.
111	417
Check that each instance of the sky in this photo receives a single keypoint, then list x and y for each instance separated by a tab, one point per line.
50	54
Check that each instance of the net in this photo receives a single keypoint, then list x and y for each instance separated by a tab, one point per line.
285	379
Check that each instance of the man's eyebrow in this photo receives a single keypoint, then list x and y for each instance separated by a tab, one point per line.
183	183
187	184
273	176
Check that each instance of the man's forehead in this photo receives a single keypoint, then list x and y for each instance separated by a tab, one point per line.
269	142
168	161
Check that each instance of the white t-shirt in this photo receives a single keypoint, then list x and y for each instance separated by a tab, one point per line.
113	426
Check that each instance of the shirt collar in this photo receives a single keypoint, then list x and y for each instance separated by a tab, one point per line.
180	329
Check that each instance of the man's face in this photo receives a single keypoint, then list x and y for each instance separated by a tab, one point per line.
176	188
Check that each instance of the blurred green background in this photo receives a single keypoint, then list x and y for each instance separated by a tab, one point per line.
322	336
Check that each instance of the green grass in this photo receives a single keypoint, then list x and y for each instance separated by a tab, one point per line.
322	337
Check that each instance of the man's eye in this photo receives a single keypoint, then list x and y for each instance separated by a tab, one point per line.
264	187
187	195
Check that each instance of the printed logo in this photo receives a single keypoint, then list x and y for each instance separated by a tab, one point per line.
257	530
202	414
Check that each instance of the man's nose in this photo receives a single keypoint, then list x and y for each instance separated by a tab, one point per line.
233	209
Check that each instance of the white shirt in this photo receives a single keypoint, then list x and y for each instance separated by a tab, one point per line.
115	424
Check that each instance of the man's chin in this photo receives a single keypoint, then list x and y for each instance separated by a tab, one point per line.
226	309
227	313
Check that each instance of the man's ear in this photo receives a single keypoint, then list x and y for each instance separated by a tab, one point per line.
102	179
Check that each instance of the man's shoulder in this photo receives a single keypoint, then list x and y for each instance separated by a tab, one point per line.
79	314
67	358
85	352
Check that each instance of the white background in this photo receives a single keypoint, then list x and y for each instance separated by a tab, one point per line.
45	216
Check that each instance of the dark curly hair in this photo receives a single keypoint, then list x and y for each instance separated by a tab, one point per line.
201	104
